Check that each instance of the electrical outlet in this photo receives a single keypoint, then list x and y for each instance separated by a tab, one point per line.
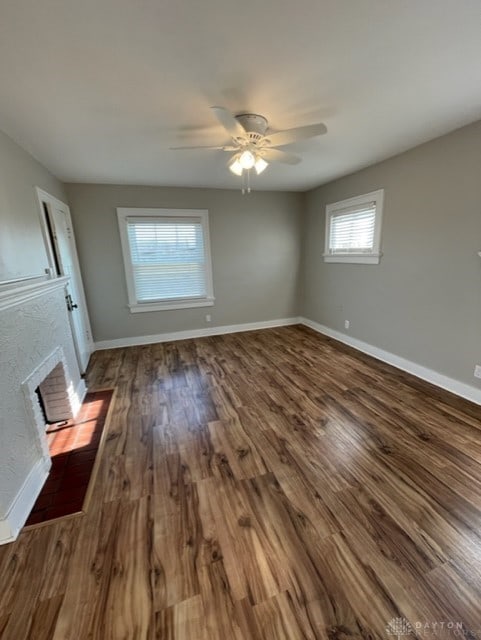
477	371
208	317
347	324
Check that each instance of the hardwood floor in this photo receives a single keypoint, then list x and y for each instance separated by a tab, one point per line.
271	485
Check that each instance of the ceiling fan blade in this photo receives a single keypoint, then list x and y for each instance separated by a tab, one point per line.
275	155
230	124
224	148
289	136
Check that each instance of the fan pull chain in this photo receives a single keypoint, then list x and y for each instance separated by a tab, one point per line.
246	181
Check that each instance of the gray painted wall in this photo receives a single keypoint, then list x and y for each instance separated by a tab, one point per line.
255	244
423	301
22	250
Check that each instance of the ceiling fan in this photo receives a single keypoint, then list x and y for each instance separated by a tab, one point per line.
252	146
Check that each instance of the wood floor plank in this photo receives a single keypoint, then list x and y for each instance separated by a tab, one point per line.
129	609
183	620
231	442
359	585
44	619
3	623
372	530
13	567
221	618
82	610
197	454
281	617
311	507
240	535
24	584
177	534
267	485
62	542
292	537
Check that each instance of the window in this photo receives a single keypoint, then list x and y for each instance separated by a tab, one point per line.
353	229
167	258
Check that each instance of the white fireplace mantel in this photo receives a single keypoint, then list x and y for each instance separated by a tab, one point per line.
16	292
35	336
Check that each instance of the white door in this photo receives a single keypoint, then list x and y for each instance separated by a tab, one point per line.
64	262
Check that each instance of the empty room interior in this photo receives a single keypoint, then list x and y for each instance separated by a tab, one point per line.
240	320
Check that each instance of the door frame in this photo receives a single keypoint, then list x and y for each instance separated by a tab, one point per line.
45	198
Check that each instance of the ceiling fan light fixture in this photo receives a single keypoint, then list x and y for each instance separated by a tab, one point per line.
252	144
236	167
247	159
260	165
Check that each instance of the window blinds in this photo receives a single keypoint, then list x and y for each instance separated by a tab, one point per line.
352	229
168	258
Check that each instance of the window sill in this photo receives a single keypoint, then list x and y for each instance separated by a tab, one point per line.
171	305
353	258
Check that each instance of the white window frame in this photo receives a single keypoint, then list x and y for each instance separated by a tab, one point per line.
162	305
374	256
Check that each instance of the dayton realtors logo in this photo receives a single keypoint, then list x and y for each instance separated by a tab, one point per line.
399	627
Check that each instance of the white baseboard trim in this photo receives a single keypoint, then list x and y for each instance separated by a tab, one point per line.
440	380
194	333
13	521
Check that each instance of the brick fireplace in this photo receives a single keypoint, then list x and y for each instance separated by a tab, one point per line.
36	353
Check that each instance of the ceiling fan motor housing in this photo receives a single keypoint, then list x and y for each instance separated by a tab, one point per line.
254	124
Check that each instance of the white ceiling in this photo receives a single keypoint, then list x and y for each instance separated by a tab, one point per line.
98	90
